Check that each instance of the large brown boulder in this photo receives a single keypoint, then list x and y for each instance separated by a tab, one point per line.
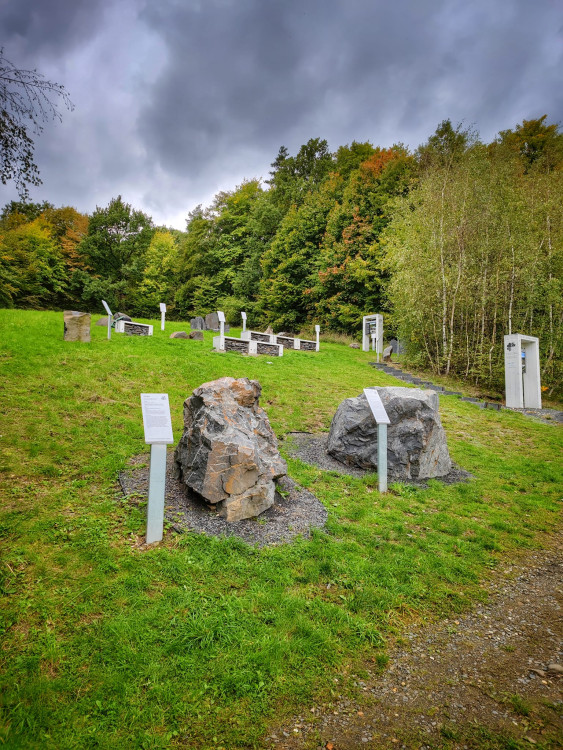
228	452
416	441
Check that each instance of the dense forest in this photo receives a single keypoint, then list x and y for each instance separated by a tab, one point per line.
457	243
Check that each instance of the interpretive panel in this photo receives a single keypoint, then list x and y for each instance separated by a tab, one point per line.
376	406
156	418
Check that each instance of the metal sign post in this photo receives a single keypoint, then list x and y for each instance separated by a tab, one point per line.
158	433
221	316
243	316
318	333
382	420
110	317
162	315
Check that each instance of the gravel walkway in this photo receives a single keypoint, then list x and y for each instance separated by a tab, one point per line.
294	513
311	449
489	679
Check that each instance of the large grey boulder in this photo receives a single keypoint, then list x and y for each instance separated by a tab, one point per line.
197	323
416	440
76	326
212	321
228	452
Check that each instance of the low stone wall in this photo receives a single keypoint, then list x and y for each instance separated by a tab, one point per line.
265	337
236	345
286	342
136	329
308	346
272	350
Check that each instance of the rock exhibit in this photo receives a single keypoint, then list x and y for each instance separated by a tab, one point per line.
416	440
179	335
228	452
76	326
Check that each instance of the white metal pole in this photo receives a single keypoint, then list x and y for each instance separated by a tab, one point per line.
382	457
157	483
162	316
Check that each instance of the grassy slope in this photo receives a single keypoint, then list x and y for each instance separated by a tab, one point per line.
199	642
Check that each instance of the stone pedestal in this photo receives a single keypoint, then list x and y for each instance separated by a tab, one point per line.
76	326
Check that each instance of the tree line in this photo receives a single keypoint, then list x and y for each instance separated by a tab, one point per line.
458	243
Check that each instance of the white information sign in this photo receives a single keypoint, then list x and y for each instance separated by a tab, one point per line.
106	307
376	406
221	316
317	329
162	307
156	418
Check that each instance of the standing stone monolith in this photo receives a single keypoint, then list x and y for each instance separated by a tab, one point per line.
416	440
228	452
197	323
77	326
212	321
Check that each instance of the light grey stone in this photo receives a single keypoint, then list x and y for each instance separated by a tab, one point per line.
76	326
355	345
102	322
387	352
197	324
179	335
228	452
416	440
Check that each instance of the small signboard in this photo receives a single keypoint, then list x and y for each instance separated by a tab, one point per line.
106	307
156	418
162	307
243	315
376	406
317	329
221	316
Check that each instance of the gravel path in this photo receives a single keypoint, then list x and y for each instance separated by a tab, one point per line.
311	448
489	679
294	513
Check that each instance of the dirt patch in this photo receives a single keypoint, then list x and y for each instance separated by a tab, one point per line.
312	449
295	511
488	679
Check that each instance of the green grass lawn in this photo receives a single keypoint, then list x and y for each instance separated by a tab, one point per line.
201	642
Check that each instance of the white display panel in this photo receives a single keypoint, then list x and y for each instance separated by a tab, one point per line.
376	406
156	418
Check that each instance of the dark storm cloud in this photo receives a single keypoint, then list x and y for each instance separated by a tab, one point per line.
260	74
177	99
49	27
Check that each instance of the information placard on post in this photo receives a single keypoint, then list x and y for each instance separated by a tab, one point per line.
156	418
162	315
158	432
382	420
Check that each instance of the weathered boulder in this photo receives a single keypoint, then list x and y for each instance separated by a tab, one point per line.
228	452
416	441
197	335
121	316
197	324
387	352
354	345
102	322
76	326
179	335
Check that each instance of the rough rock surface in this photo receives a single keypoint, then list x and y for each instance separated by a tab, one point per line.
179	335
416	441
354	345
228	452
197	335
77	326
102	321
212	321
197	324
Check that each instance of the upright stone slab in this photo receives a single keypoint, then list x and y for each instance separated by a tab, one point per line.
197	324
416	441
76	326
212	321
228	452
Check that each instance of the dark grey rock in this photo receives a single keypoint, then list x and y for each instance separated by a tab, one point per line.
197	335
228	452
398	346
237	345
197	324
470	399
270	349
257	336
121	316
179	335
416	441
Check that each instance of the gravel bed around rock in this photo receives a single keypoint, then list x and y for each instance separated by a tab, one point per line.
311	448
295	511
491	678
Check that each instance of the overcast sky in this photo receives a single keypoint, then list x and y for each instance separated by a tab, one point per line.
178	99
